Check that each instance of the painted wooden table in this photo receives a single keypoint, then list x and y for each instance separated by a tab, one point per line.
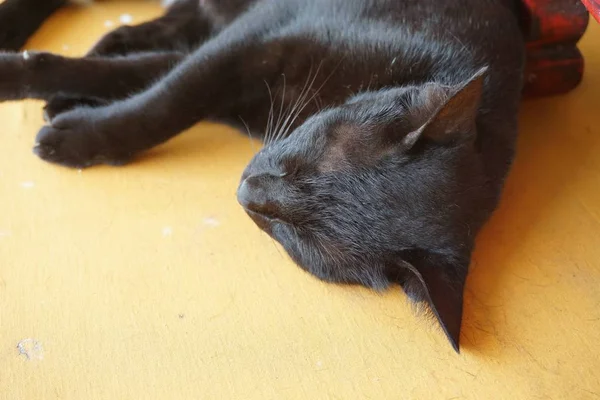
149	281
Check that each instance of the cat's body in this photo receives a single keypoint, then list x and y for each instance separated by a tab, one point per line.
390	125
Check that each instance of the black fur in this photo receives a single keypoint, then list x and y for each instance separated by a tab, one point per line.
19	19
390	125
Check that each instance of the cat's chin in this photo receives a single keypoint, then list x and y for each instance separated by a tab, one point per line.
264	222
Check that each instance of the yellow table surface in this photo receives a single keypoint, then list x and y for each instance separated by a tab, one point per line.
150	282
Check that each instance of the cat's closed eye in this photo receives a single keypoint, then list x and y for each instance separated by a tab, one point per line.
290	168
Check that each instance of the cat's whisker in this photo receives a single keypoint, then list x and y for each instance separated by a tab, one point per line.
314	96
292	106
252	144
297	113
280	116
276	247
299	102
465	48
319	103
269	126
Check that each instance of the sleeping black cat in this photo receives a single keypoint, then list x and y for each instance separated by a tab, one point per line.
389	126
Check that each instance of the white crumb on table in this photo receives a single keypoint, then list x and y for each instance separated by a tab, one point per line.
126	18
27	184
108	24
167	231
211	221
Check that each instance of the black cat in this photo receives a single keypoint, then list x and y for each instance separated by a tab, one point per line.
389	126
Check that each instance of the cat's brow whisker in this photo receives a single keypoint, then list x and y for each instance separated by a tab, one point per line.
305	102
292	106
280	116
270	118
271	128
314	96
316	93
319	103
465	48
252	144
301	99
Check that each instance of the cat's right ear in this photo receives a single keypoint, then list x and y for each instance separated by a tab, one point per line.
446	113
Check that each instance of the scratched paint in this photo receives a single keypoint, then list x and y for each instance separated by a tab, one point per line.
31	349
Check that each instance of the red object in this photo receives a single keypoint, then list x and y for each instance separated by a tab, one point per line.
593	7
552	29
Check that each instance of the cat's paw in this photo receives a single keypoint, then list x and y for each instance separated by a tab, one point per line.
60	104
75	140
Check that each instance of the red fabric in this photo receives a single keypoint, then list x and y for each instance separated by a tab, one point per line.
593	7
555	21
553	28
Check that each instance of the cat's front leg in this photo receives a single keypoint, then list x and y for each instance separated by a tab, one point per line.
205	85
114	133
180	29
32	75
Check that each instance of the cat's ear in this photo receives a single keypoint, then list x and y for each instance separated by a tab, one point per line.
444	113
439	282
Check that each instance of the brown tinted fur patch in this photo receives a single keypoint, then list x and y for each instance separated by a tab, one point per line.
350	144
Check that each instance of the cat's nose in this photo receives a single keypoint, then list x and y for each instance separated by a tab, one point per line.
253	195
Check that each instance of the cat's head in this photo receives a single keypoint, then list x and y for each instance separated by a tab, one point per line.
388	187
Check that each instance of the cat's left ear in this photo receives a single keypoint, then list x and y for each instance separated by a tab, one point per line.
443	113
440	282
